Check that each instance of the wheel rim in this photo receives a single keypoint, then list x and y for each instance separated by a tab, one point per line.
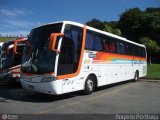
90	85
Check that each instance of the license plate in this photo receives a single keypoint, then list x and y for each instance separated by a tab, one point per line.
31	86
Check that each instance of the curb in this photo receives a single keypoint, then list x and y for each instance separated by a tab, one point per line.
145	80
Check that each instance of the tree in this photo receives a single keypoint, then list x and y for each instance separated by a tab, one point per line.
96	24
135	23
117	32
113	24
129	23
107	28
111	30
150	45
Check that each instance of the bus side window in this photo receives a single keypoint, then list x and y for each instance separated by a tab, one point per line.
106	45
109	46
112	46
89	41
98	44
120	48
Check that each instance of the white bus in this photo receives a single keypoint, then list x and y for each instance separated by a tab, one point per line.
67	56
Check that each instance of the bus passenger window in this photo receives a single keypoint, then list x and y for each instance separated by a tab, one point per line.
98	44
109	46
106	46
89	41
120	48
112	47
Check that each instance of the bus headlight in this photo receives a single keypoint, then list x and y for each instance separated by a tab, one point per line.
47	79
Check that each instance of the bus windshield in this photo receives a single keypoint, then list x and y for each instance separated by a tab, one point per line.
8	58
41	60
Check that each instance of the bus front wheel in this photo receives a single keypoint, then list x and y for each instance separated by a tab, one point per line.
89	85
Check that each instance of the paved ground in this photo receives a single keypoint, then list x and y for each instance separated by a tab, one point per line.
128	97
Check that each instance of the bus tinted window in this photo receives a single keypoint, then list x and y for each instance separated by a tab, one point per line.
121	48
109	45
129	49
98	43
93	41
89	41
140	51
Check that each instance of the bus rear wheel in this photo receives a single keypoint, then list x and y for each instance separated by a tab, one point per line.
89	85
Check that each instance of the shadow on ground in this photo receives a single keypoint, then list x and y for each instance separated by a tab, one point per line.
17	93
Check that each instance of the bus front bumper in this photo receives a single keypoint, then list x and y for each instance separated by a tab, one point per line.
53	87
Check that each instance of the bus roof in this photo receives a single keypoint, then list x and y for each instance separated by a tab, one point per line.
96	30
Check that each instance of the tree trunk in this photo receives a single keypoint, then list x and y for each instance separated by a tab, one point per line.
149	58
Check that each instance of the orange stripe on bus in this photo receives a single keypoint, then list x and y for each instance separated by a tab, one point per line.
110	56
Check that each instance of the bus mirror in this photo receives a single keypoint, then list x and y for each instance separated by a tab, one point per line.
16	44
53	38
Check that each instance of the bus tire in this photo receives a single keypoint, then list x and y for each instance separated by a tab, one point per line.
136	76
89	85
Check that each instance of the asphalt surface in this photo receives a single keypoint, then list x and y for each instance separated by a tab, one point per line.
126	97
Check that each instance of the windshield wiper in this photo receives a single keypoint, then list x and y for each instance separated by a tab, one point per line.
31	62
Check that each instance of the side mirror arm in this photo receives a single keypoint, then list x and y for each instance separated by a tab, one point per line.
52	43
16	43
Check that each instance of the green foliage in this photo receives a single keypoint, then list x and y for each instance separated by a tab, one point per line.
111	30
105	26
2	39
135	23
130	23
113	24
150	44
96	24
153	72
116	31
108	28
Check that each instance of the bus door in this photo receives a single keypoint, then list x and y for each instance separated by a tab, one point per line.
69	57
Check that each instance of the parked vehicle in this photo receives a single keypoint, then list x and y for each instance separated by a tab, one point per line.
10	62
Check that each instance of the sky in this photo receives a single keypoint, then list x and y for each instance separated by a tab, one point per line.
20	16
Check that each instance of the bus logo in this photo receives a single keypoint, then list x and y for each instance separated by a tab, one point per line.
91	55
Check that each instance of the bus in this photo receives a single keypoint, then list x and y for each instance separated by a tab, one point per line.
66	56
10	62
